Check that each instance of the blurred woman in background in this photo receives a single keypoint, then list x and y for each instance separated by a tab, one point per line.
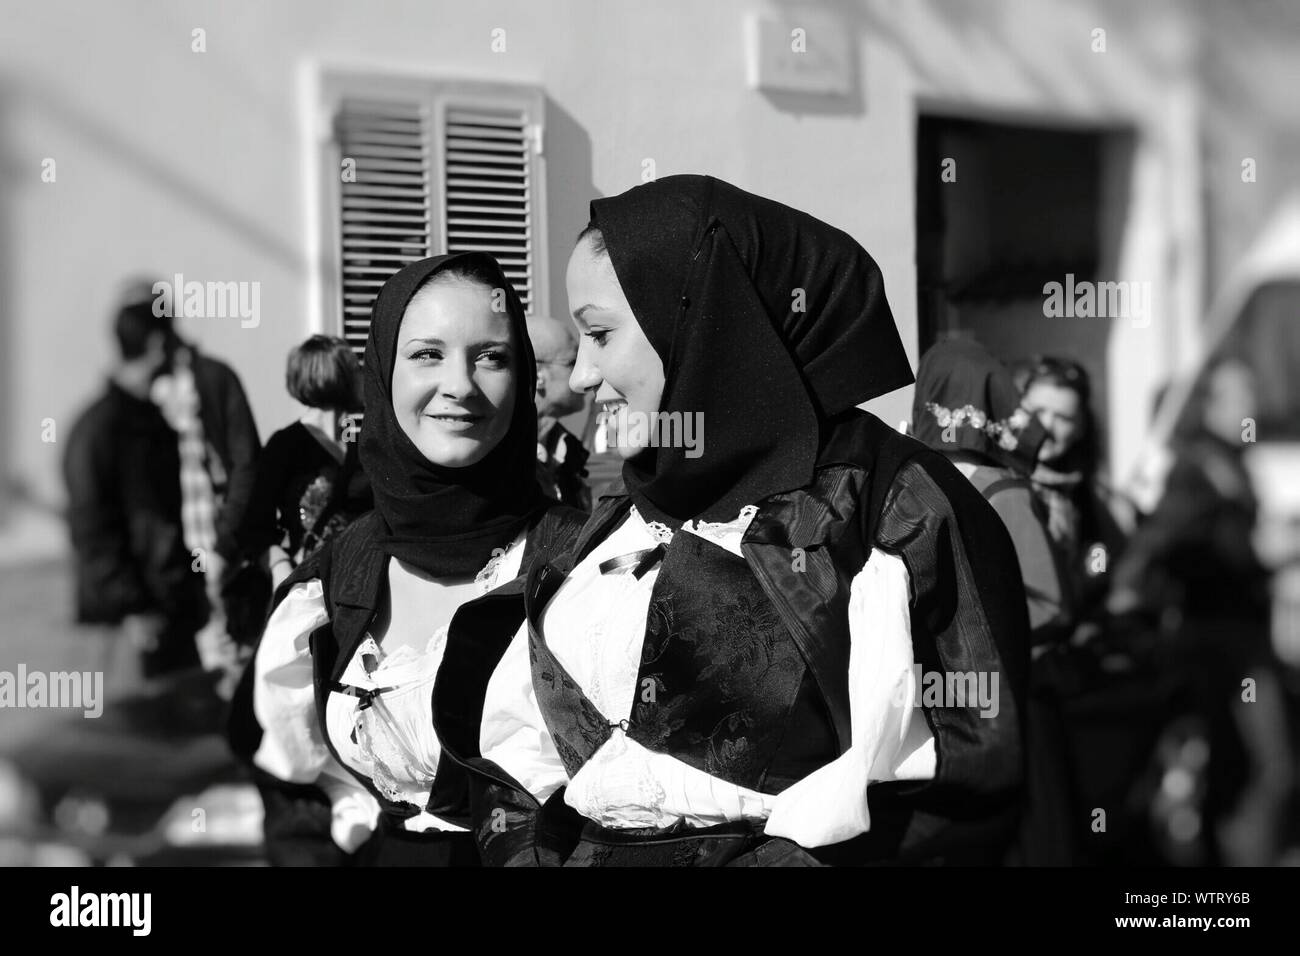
966	406
1083	528
309	482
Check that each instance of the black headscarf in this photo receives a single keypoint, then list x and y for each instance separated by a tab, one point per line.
446	521
967	401
768	321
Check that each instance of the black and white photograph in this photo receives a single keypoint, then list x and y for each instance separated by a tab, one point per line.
691	433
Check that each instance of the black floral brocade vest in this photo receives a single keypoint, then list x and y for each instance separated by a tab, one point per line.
722	684
759	722
744	669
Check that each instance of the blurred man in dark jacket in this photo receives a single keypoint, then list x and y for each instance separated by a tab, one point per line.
122	472
224	420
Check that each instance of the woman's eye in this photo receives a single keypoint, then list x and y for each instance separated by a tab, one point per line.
496	359
425	355
598	336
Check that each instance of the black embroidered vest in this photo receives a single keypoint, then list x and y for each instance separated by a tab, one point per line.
744	670
720	682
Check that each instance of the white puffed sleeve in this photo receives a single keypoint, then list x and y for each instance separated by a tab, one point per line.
513	733
284	697
354	812
284	702
891	740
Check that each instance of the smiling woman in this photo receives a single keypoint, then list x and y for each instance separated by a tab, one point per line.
721	670
455	374
615	359
335	714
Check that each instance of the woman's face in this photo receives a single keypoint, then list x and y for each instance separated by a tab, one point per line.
456	372
1061	414
615	359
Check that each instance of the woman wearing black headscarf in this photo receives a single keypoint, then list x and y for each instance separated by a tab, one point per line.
967	407
716	673
335	709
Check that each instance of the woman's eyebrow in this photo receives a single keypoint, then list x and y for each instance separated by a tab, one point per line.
423	341
581	311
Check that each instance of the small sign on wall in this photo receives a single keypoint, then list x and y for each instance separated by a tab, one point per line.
805	52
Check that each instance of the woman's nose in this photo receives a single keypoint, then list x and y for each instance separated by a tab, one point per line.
458	379
585	374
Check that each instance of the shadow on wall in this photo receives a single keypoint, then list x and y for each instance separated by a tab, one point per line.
146	160
848	17
982	25
119	145
987	27
569	190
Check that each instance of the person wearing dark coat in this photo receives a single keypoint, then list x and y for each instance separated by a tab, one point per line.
1193	578
967	407
1081	508
310	483
334	713
765	647
121	469
228	429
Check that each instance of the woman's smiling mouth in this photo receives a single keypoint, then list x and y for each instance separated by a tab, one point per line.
457	420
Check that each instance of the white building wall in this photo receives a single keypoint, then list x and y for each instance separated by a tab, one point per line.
174	161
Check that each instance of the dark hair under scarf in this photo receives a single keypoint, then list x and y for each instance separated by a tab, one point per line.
768	321
967	401
446	521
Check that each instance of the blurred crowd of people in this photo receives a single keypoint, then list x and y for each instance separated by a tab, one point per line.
1157	623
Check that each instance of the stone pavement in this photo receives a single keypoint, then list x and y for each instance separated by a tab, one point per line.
149	781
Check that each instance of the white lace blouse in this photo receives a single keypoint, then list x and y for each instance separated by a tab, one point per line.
595	626
392	741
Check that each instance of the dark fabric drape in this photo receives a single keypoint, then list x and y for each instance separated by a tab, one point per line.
769	323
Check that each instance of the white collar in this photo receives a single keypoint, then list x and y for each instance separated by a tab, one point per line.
725	534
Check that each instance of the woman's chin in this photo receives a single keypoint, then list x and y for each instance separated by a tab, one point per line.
455	452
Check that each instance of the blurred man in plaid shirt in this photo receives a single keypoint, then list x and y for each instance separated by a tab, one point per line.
188	497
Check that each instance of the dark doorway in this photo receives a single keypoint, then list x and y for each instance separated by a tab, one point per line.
1001	211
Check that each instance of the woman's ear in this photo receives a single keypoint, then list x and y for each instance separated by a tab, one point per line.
540	386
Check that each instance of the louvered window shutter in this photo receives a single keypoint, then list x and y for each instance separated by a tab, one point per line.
438	166
386	215
489	190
